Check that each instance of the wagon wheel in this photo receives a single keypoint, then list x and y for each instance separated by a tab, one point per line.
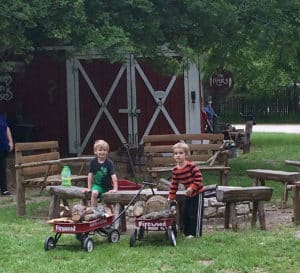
49	243
171	237
133	237
88	244
175	229
141	233
113	236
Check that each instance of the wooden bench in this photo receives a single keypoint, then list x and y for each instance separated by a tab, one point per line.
38	164
286	178
232	195
207	151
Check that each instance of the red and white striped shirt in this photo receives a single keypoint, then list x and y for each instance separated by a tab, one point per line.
190	176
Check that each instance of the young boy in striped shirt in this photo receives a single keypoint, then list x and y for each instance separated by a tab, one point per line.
188	174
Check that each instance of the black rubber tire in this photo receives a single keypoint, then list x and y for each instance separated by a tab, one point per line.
175	229
49	243
141	233
171	237
113	236
132	237
88	244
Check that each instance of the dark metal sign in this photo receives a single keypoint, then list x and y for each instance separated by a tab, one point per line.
221	81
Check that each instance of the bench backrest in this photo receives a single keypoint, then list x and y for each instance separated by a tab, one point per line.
158	148
29	152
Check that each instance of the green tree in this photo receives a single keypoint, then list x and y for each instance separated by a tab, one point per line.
258	40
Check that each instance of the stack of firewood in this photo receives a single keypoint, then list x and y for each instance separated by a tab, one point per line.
80	213
156	207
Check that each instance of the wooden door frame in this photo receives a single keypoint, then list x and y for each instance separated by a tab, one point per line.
131	67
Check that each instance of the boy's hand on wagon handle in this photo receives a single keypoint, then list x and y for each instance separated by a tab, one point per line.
189	192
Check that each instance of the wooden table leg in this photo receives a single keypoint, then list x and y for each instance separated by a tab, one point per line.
224	178
284	196
261	215
296	204
233	217
255	182
120	223
254	214
54	207
227	215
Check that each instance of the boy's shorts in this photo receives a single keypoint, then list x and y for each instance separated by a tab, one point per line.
99	189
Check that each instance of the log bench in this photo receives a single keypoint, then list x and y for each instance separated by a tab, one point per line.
206	150
59	193
38	164
232	195
286	178
293	163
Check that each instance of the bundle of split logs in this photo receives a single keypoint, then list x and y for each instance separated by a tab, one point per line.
80	213
156	207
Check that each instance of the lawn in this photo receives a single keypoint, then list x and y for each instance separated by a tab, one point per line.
251	251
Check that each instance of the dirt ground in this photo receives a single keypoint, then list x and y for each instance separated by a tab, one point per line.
275	217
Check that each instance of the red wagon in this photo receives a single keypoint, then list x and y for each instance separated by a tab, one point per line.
167	225
103	227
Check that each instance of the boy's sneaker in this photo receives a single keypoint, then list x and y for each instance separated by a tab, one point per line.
7	193
189	236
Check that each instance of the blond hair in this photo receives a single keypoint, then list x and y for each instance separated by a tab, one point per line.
101	144
182	145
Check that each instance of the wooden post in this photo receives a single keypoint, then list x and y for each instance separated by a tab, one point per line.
247	137
20	196
296	202
233	217
254	214
261	215
120	224
54	207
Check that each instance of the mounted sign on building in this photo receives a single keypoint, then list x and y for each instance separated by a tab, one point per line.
221	82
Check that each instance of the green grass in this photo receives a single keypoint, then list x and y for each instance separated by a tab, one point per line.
247	251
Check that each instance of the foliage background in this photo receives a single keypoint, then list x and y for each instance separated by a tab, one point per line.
257	40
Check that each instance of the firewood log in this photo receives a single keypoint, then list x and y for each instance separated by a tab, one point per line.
138	208
160	214
65	211
99	212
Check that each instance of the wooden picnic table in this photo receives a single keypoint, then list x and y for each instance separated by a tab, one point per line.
286	178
